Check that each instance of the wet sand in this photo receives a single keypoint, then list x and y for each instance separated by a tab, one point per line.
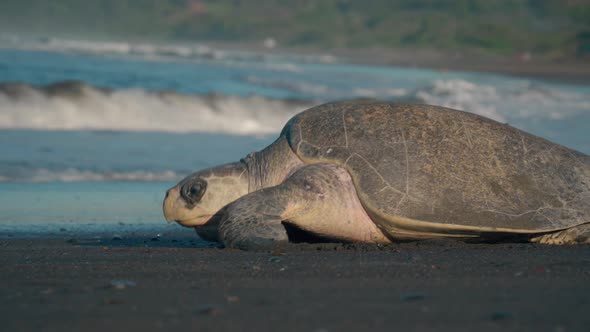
138	282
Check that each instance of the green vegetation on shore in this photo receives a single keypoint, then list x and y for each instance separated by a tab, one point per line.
552	28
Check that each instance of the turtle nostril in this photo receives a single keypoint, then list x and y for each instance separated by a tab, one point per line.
167	194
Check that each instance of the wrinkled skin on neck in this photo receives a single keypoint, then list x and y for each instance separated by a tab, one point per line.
218	186
271	166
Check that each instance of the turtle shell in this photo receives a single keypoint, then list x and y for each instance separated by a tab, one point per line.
428	170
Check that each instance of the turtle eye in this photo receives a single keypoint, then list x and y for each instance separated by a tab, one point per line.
193	191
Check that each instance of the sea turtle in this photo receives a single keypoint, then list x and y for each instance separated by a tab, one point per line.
379	172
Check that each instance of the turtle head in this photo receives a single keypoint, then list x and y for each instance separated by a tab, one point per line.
200	196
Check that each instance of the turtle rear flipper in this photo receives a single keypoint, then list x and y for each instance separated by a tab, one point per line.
576	235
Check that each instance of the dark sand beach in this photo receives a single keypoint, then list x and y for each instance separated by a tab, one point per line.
139	282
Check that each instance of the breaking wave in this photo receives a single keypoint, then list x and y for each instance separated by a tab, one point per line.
75	105
523	102
516	102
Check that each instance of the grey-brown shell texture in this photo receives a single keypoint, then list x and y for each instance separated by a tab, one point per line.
443	170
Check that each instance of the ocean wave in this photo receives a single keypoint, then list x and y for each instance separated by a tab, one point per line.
187	51
77	106
77	175
515	102
74	105
297	86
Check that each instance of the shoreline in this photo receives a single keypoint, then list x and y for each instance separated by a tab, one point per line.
574	72
570	70
525	65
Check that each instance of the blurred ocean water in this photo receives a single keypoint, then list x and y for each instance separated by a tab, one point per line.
93	133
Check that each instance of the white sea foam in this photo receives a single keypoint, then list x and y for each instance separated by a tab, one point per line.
462	95
40	175
112	47
187	51
77	175
524	102
73	106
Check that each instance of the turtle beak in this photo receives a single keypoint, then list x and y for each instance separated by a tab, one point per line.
171	198
175	209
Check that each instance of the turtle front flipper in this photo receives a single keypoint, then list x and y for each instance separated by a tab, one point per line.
319	199
253	222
